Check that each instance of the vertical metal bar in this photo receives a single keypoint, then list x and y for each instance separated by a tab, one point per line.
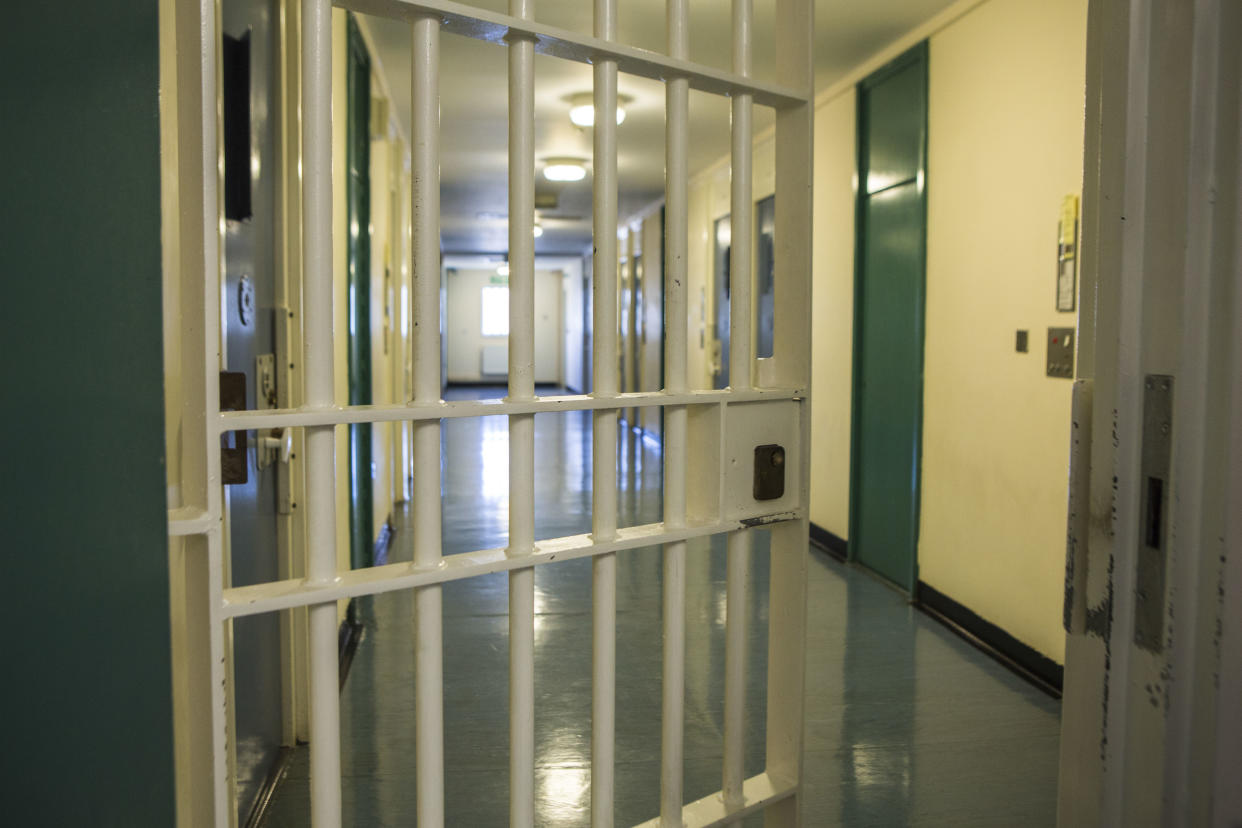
676	244
425	211
737	593
740	266
211	174
521	426
739	544
787	556
604	458
325	728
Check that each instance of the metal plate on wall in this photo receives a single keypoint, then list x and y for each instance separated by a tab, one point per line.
1061	353
1157	449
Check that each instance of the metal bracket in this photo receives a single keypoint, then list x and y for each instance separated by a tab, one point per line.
234	464
1153	533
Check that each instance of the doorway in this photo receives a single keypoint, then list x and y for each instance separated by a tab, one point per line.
890	245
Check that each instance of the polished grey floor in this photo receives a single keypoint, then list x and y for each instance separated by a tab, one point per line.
906	724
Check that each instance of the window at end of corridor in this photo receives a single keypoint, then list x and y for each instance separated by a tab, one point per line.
495	310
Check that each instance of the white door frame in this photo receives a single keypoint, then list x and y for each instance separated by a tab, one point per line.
1153	683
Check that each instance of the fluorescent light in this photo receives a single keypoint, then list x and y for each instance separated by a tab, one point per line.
583	115
582	109
564	169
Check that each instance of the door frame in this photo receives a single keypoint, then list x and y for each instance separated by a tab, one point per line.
917	53
358	270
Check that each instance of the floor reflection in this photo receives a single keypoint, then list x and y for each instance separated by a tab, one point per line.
906	724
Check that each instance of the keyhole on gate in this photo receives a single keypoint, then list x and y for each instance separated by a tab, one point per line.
769	472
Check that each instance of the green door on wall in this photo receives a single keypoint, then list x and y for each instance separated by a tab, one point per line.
358	205
888	318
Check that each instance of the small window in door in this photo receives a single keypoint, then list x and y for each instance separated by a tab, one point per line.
494	306
235	91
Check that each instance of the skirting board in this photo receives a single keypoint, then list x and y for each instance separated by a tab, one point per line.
1027	662
834	545
1023	660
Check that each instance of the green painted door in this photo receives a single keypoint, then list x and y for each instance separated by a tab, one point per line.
888	317
358	205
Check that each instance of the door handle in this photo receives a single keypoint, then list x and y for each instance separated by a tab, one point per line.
279	444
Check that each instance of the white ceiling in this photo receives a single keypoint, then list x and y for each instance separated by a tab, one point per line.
474	105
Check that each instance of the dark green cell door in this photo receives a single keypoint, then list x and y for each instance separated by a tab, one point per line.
888	318
358	205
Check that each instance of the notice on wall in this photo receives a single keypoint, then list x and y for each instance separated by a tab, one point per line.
1067	254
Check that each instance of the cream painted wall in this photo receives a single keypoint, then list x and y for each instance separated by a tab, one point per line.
832	314
1006	98
572	298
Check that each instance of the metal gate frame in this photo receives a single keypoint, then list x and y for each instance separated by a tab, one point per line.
707	490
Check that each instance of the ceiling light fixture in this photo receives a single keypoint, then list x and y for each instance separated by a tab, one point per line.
538	230
582	108
564	169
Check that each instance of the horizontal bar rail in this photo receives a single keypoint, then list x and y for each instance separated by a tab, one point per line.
273	596
399	412
481	24
758	793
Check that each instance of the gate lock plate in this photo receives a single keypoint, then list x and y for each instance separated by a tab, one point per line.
769	472
234	468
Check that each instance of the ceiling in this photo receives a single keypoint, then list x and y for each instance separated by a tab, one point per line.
474	105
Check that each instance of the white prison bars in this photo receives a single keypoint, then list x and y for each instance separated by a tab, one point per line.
737	586
774	789
677	116
521	426
604	426
317	333
428	635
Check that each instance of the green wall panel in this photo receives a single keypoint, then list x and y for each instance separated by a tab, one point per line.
88	736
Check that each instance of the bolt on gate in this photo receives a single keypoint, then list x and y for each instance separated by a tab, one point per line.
734	459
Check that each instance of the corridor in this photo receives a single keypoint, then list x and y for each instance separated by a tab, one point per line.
906	723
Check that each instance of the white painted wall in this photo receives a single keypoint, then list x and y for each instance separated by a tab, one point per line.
832	315
1006	98
465	342
572	299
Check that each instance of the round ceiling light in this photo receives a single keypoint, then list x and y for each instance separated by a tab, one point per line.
564	169
582	109
538	230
